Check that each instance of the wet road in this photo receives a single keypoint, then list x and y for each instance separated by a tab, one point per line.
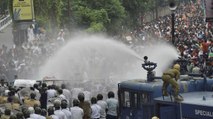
6	37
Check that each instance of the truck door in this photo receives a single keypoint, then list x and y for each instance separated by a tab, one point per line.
167	112
124	105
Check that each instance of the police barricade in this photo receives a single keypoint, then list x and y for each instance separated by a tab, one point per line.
5	22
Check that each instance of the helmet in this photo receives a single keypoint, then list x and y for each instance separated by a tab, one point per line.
176	66
155	117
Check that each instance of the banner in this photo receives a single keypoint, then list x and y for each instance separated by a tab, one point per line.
23	10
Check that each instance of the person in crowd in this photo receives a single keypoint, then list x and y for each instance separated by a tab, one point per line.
32	101
112	106
61	95
155	117
196	70
3	98
32	111
65	109
20	115
27	114
103	106
51	114
37	114
6	115
85	106
11	104
43	97
77	112
43	112
13	117
66	93
36	90
51	92
171	76
96	109
58	112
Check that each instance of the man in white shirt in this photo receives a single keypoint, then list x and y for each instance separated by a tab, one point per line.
65	109
27	114
51	113
103	106
38	95
51	93
96	109
112	106
58	112
77	112
37	114
61	95
66	92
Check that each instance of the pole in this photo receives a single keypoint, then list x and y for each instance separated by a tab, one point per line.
173	28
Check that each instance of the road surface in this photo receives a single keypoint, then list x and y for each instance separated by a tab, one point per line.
6	37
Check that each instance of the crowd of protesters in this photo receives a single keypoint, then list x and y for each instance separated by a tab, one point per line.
53	102
24	61
193	40
193	35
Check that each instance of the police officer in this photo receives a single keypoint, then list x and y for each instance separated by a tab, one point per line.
32	101
168	78
85	105
6	114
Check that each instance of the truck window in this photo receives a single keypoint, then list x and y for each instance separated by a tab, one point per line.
145	98
135	100
126	99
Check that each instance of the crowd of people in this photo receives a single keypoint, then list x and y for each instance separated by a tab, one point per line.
24	61
193	40
193	35
53	102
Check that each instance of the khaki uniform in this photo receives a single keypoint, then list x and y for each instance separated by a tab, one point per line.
31	102
3	99
87	109
49	117
168	78
12	106
5	117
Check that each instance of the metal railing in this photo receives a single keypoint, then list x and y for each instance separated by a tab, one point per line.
5	22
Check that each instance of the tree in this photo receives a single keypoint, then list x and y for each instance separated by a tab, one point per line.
98	15
136	9
3	6
48	13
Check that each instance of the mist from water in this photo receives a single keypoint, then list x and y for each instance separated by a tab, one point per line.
95	62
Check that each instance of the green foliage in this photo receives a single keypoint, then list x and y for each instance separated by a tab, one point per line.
48	13
102	15
96	27
135	9
91	15
3	5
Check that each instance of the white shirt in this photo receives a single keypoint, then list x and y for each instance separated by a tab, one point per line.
103	106
54	116
77	112
67	94
60	114
51	93
112	105
87	95
36	116
96	111
38	95
62	97
67	113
